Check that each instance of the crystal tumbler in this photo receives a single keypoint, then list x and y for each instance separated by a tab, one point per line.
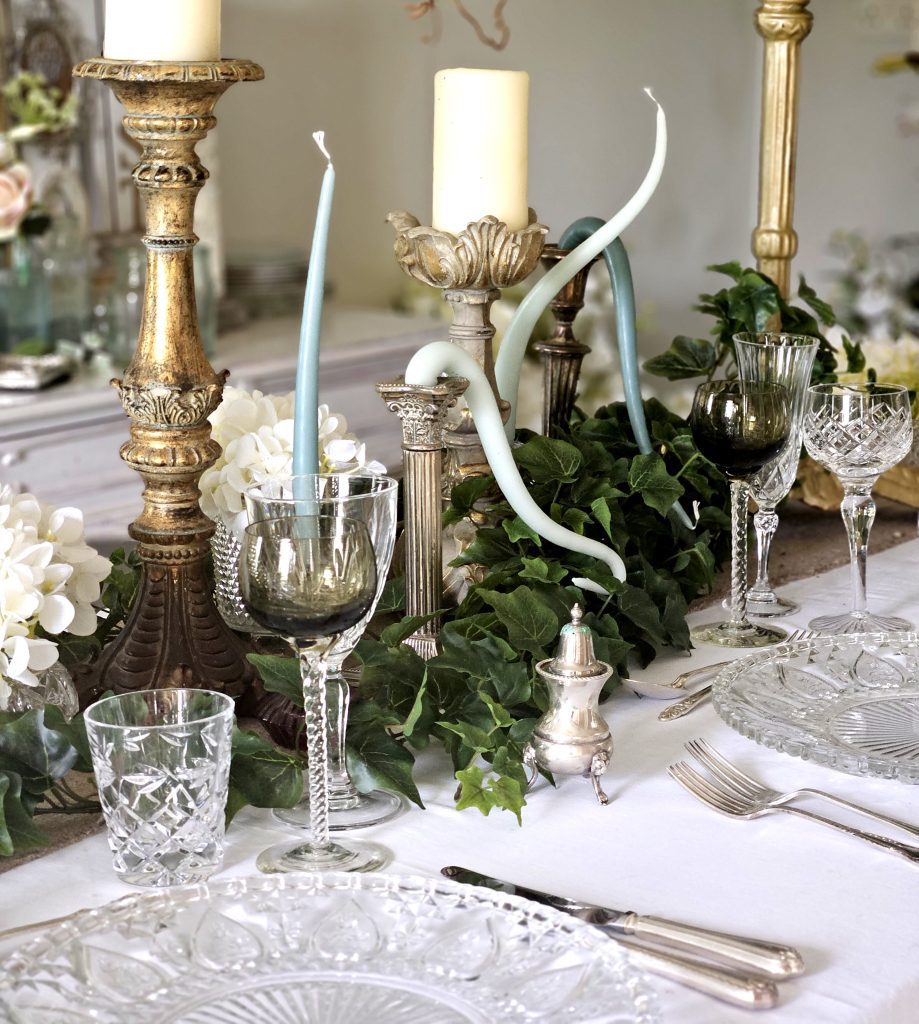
162	764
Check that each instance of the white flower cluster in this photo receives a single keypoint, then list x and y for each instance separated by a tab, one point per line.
49	578
256	433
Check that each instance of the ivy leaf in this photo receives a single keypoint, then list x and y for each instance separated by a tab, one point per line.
659	490
499	715
823	309
855	357
377	761
74	732
516	529
474	738
414	716
280	675
18	832
687	357
548	460
35	753
503	792
261	775
393	635
392	599
530	624
489	663
540	569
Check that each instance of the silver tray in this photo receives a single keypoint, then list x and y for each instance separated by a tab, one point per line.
848	702
323	949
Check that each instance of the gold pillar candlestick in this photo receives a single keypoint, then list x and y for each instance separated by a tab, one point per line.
423	413
783	24
562	354
471	268
174	635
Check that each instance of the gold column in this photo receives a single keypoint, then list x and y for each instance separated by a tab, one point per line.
783	24
174	636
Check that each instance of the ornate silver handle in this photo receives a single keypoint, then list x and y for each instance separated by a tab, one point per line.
771	959
684	706
867	812
911	853
737	989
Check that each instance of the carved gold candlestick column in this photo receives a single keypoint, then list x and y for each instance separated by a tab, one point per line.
562	354
783	24
174	636
471	268
423	413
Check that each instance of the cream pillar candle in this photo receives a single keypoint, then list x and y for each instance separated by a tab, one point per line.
480	147
162	30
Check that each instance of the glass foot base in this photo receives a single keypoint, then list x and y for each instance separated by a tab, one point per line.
773	607
723	634
286	858
832	625
355	812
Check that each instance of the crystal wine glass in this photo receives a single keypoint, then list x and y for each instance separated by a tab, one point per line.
739	426
309	578
858	431
371	499
785	359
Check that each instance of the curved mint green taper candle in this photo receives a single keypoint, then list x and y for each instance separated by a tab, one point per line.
517	336
620	277
443	357
306	402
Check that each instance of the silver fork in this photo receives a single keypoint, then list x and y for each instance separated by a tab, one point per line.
712	795
684	706
747	788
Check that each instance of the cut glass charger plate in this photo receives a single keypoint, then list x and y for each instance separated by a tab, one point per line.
323	949
849	702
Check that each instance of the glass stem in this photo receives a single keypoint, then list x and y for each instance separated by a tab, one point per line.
858	511
765	522
313	668
342	792
740	496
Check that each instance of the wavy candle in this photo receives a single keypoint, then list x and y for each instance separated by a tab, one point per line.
514	343
443	357
306	403
162	30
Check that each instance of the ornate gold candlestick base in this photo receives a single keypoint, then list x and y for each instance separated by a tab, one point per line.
174	636
562	354
470	267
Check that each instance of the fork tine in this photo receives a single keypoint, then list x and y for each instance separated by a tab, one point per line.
703	790
720	765
726	777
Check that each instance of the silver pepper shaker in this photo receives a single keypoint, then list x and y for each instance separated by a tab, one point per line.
572	738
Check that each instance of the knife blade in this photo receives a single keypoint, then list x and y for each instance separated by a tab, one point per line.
768	959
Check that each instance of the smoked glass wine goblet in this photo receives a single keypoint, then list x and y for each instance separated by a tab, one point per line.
308	579
739	426
372	500
786	359
858	431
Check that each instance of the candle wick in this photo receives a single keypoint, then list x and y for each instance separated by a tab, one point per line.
650	94
319	139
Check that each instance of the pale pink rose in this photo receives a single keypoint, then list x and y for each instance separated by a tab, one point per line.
15	198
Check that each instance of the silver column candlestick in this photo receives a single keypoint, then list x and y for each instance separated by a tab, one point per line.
423	412
471	268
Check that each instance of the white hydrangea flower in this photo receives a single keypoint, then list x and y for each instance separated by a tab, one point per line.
49	578
256	433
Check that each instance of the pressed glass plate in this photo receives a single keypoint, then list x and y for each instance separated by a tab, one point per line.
323	949
849	702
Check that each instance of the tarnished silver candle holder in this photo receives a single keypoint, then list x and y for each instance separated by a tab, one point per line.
572	738
471	268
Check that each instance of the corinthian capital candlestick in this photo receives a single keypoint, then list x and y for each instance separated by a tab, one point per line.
471	268
174	636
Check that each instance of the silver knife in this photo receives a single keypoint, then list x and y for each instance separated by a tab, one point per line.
767	959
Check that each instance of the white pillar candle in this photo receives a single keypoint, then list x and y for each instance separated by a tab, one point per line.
480	148
162	30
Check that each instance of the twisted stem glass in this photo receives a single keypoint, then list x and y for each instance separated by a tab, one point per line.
858	431
309	578
370	499
786	359
739	426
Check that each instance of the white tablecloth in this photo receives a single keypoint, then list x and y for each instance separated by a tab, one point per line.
850	909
